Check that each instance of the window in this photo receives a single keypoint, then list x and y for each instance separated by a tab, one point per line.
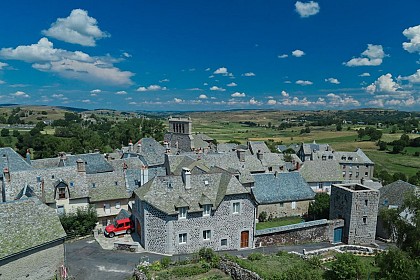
366	173
293	204
320	185
182	213
270	169
281	204
236	207
223	242
71	184
116	183
182	238
52	176
107	208
61	193
366	202
206	210
118	205
364	220
357	174
344	166
344	173
206	234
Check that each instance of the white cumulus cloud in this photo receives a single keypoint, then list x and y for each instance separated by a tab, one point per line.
283	56
77	28
271	102
238	94
303	83
221	70
202	96
332	81
372	56
73	65
284	93
121	92
20	94
253	101
2	65
216	88
384	84
232	84
178	100
249	74
96	91
298	53
151	88
413	34
365	74
307	9
414	79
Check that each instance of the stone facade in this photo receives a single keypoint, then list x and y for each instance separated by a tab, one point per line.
41	263
179	134
356	171
314	231
160	232
285	209
358	206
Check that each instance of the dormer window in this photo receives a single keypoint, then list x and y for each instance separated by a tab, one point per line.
116	183
62	193
182	213
206	210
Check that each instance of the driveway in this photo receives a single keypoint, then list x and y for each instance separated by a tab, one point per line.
87	260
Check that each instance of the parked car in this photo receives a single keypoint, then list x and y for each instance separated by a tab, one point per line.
119	227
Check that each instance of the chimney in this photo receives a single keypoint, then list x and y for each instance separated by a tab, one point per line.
297	165
186	177
144	174
167	148
42	191
259	155
139	147
241	154
6	174
28	156
130	146
81	167
63	157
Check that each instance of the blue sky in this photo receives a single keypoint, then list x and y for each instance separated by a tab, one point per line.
211	55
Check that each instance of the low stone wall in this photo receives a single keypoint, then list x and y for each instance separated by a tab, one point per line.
237	272
139	275
313	231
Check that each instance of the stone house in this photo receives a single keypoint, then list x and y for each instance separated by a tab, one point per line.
392	197
181	214
32	240
320	174
355	165
306	151
357	205
283	194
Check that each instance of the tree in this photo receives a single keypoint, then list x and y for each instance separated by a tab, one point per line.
405	230
398	147
4	132
397	265
339	127
320	208
80	223
347	266
382	145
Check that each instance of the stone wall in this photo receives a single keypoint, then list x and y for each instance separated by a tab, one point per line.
40	263
237	272
314	231
280	210
139	275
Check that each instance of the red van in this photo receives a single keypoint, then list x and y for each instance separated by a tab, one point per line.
119	227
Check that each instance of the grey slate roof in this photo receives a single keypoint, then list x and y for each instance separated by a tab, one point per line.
12	160
152	153
226	147
168	192
272	159
321	171
353	157
107	186
76	182
256	146
309	148
95	162
394	193
26	224
289	186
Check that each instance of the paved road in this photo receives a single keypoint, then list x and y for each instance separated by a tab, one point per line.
87	260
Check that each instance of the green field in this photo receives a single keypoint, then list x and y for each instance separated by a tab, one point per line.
279	222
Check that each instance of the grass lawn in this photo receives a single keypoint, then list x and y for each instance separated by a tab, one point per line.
279	222
369	267
186	271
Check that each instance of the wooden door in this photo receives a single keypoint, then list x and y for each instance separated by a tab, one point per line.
244	239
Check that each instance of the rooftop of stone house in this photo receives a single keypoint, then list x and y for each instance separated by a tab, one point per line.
355	187
12	160
258	146
167	193
281	187
321	171
95	162
151	152
394	193
50	177
107	186
357	156
27	224
311	147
